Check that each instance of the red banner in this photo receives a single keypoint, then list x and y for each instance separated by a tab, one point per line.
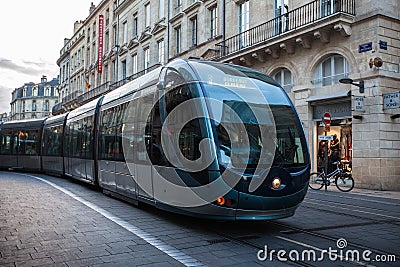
100	45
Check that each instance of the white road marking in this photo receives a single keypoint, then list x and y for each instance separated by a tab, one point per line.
363	199
160	245
336	206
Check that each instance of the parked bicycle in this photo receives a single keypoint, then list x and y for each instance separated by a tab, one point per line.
343	180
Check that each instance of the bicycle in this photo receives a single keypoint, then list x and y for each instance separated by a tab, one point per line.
343	180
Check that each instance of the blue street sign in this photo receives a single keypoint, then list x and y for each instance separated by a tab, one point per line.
382	45
365	47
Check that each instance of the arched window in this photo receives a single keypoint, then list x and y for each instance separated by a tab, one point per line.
330	71
285	79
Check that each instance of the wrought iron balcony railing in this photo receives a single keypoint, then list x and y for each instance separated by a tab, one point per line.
295	19
97	91
93	93
56	108
132	77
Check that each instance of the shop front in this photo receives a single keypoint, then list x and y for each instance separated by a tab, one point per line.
340	147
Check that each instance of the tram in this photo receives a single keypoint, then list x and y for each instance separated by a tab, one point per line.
200	138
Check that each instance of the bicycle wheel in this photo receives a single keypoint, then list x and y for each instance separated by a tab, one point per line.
316	181
344	182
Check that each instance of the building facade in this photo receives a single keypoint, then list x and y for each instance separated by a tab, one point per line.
3	117
34	100
307	46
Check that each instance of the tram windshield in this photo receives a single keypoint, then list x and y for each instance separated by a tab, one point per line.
250	112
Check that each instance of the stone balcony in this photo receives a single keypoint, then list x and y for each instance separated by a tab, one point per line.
297	27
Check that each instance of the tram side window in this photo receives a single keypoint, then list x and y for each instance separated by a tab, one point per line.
5	145
86	148
107	141
189	137
75	139
28	141
52	141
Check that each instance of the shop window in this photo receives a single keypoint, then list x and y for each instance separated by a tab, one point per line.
330	71
339	149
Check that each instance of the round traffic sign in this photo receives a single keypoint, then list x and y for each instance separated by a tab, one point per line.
327	118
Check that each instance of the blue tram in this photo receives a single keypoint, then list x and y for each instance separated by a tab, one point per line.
195	137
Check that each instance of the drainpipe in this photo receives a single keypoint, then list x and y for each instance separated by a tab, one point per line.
223	19
223	25
168	29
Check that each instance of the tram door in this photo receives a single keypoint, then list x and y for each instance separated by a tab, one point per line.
142	144
68	148
9	151
6	149
124	173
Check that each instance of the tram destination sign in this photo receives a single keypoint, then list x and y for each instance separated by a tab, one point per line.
391	100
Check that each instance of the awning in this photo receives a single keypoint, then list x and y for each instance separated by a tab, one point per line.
315	98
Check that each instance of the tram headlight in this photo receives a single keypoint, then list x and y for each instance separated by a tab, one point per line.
276	183
221	201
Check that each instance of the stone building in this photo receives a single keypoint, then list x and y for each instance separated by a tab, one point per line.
34	100
3	117
307	46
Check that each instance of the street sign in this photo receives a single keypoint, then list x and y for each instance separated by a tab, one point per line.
391	100
382	45
325	137
365	47
358	103
327	118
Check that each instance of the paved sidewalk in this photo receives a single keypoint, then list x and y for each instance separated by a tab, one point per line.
40	226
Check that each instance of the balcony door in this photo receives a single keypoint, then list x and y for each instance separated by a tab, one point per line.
281	16
327	7
244	24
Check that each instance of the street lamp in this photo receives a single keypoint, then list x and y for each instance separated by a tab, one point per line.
350	81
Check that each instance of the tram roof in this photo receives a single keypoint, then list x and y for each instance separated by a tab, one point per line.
54	119
27	123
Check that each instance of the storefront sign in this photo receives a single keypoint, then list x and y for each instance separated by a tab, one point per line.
391	100
365	47
337	110
358	102
100	48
